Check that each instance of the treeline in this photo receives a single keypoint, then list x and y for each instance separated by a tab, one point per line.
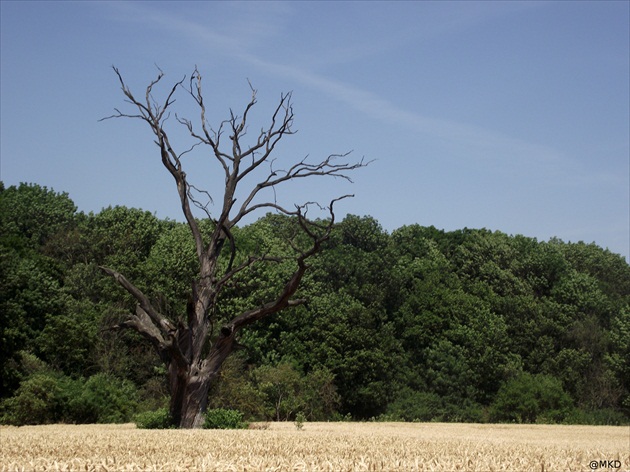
416	325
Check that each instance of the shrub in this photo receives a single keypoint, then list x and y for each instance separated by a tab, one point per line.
104	399
286	390
531	399
222	418
466	411
300	419
35	402
415	406
158	419
338	417
429	406
236	392
385	418
605	416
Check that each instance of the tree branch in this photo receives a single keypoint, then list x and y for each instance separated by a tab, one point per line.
159	321
284	300
297	171
155	115
251	260
167	349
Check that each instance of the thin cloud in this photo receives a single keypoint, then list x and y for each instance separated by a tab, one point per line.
236	47
460	134
487	144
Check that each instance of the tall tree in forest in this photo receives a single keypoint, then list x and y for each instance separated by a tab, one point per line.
192	346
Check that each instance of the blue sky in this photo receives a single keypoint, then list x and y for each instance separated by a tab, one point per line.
512	116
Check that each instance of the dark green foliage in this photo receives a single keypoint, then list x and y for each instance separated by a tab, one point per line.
531	399
35	214
222	418
426	406
286	392
158	419
30	282
36	401
276	392
68	338
417	325
604	416
236	391
104	399
412	405
49	397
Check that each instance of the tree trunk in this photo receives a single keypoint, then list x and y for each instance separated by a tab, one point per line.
189	401
190	387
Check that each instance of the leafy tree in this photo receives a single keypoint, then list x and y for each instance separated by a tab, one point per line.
123	237
611	271
412	405
30	293
619	356
68	339
358	345
364	233
539	265
34	213
579	294
236	391
170	266
30	281
422	324
280	387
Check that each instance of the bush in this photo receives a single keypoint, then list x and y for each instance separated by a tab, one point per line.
50	397
300	419
286	391
338	417
36	401
466	411
158	419
222	418
606	416
428	406
236	392
531	399
415	406
104	399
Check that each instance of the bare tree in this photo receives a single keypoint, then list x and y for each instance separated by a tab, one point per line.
193	361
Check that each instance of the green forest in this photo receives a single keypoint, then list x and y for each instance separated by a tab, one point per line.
418	324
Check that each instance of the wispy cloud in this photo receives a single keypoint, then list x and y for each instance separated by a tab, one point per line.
233	40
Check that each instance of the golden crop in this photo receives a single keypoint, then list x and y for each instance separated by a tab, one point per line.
318	447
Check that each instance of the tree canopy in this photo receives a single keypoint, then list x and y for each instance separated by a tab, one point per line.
416	324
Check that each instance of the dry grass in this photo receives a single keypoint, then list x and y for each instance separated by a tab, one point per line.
320	446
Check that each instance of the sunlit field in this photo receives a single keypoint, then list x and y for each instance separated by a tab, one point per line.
318	447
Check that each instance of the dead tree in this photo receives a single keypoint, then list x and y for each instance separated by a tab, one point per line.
194	362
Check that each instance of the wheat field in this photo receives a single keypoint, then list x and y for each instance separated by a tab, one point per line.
318	447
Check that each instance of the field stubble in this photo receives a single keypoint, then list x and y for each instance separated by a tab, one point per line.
319	447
